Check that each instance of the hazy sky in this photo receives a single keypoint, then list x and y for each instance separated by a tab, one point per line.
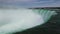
31	3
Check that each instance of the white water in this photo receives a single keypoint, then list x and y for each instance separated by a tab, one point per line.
14	20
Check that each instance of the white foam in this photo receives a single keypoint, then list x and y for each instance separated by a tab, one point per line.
18	20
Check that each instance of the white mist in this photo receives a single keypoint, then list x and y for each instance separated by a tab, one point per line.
14	20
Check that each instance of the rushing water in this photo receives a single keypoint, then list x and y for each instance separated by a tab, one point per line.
14	20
